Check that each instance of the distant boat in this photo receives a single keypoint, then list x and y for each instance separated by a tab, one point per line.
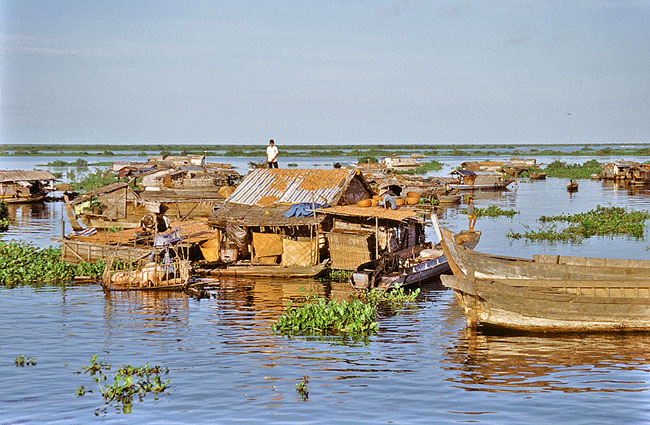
572	186
536	176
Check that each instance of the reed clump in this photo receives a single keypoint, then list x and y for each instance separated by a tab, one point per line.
22	263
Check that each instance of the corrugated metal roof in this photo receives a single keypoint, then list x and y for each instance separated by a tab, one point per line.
17	175
266	187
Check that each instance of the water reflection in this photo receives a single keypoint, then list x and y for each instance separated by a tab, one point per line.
150	310
567	363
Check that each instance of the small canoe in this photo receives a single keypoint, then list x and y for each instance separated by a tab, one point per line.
449	199
572	186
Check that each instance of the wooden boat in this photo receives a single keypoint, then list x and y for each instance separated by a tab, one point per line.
492	186
278	271
404	268
37	197
464	261
409	267
449	199
572	186
536	176
152	276
554	305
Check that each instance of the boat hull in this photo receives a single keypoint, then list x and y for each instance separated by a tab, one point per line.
613	306
464	261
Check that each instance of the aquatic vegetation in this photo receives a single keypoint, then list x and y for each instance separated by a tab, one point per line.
4	210
424	168
301	387
397	295
320	316
492	211
95	180
573	171
22	263
79	163
81	391
128	382
21	361
4	224
335	275
367	159
601	221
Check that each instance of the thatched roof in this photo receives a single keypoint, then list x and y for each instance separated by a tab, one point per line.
246	215
101	191
22	175
401	214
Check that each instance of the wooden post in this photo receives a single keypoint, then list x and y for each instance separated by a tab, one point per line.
376	237
62	224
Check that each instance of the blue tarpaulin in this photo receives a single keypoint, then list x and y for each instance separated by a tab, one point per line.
303	210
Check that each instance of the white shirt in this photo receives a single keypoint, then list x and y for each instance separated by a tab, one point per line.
271	152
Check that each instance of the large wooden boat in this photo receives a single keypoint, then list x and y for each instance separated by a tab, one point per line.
464	261
554	305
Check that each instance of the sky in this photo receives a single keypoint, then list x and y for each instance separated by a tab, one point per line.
324	72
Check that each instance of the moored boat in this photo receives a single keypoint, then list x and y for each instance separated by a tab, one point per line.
464	261
555	305
536	175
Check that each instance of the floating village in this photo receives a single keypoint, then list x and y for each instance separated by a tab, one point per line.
181	223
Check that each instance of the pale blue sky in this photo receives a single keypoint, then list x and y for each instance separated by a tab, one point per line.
317	72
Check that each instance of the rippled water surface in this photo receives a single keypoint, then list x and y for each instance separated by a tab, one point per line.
227	366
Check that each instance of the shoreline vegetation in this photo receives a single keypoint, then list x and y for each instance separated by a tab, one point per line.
350	151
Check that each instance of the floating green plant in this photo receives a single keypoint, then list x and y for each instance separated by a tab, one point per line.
319	316
335	275
128	382
573	171
22	263
21	361
301	387
397	295
601	221
492	211
424	168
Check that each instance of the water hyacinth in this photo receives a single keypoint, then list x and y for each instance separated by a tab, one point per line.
319	316
22	263
492	211
601	221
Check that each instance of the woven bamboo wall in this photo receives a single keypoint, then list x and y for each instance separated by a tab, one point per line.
349	250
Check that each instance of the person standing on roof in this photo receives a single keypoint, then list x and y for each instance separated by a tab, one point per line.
272	154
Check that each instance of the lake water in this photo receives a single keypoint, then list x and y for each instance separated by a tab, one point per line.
227	366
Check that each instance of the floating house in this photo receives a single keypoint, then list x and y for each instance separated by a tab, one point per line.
270	218
479	180
629	171
19	186
399	163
